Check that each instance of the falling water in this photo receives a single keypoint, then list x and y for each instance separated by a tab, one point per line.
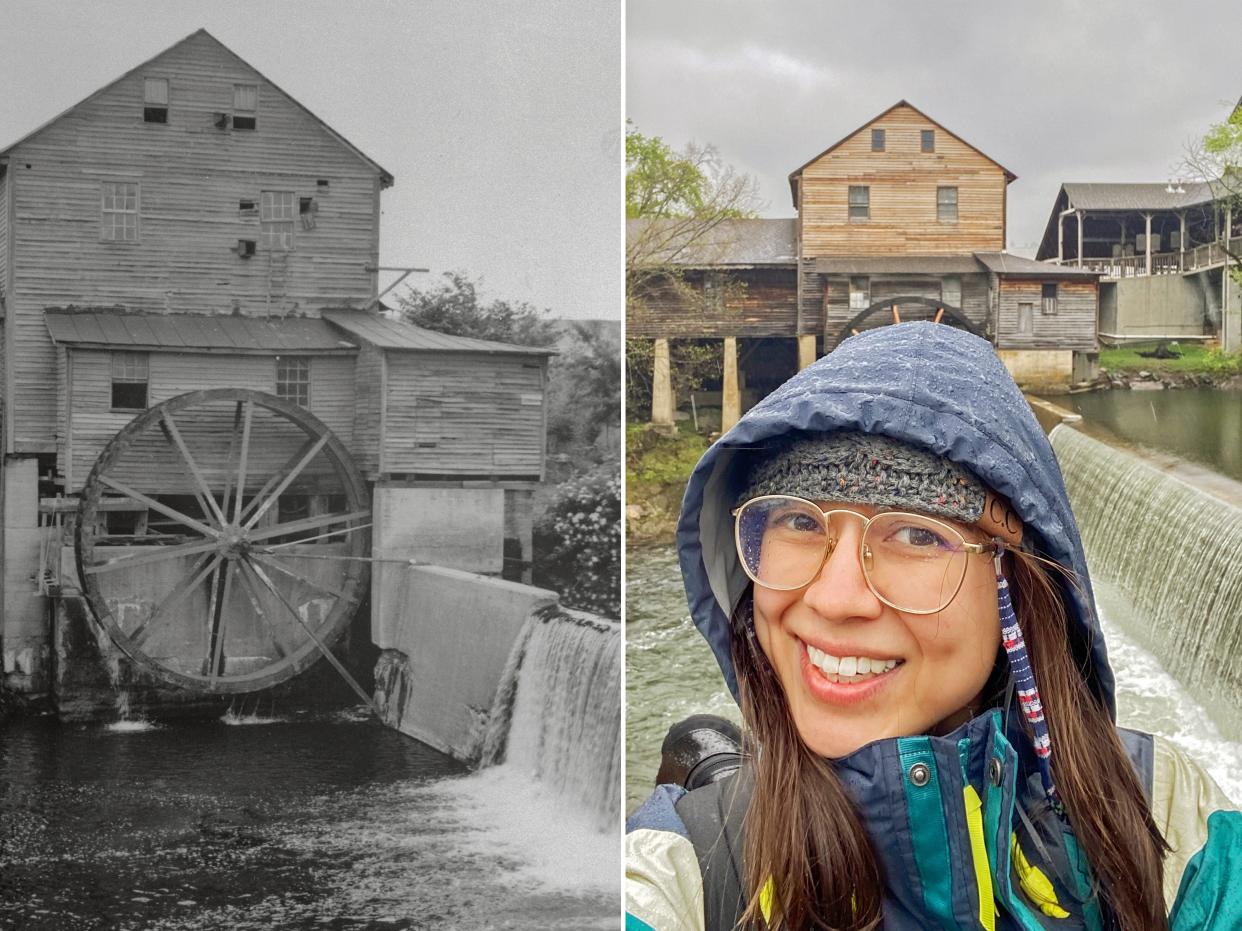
557	714
1176	551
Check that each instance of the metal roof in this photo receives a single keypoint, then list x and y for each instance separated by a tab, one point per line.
1091	196
898	265
744	241
394	334
1004	263
194	332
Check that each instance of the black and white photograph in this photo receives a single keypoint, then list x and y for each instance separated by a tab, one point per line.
311	432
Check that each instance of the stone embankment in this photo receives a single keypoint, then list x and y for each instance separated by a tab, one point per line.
1144	380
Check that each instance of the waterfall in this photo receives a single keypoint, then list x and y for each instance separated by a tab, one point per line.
1176	552
557	713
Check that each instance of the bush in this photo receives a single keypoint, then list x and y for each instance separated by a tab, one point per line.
577	543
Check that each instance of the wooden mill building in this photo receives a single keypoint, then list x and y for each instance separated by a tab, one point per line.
192	226
900	219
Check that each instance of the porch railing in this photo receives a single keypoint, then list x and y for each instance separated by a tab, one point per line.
1162	263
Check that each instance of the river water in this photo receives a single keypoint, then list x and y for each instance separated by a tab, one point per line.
323	821
670	674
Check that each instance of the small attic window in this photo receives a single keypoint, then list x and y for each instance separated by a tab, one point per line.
306	205
155	100
247	209
322	186
245	106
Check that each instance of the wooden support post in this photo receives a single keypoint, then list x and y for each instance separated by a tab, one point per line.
731	400
1147	240
661	385
1181	242
1060	238
806	350
1079	215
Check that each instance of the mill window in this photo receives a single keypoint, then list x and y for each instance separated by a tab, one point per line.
946	204
118	211
293	379
277	211
927	140
877	140
130	381
155	100
1048	293
245	106
860	293
860	202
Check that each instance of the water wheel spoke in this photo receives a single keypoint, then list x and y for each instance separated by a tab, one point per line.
306	523
242	462
261	494
293	473
252	595
170	425
159	506
146	559
327	654
271	550
306	580
190	581
226	495
219	619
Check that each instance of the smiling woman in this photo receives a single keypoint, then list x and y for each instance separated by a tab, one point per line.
889	575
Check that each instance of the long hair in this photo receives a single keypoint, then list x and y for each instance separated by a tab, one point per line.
803	831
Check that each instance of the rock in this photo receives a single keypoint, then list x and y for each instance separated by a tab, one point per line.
1144	374
633	512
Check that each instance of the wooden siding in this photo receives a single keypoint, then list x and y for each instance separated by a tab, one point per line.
463	415
89	423
836	312
1073	326
755	303
368	408
191	177
903	182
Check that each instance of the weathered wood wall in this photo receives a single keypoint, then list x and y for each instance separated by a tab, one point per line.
1073	326
6	284
90	422
903	182
463	415
192	177
369	387
753	302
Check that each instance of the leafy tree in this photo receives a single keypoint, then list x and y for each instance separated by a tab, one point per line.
584	392
455	307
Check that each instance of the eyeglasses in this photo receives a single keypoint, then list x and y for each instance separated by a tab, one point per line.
913	563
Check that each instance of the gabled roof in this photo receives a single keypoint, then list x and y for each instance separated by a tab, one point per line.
386	178
1136	196
736	242
115	328
797	173
1005	263
396	335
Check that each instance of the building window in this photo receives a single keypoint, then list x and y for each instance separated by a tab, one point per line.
1026	319
951	291
245	106
293	379
155	100
129	381
946	204
927	139
860	202
860	293
877	140
277	211
1048	292
118	205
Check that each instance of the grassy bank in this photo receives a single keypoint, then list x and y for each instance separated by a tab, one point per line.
1195	359
657	464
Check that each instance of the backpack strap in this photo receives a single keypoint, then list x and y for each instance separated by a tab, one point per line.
713	818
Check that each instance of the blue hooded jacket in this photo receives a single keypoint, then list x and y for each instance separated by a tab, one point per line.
978	844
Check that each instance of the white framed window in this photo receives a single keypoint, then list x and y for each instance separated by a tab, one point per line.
860	293
245	106
130	381
118	211
951	290
1048	298
155	100
946	204
293	379
277	212
860	202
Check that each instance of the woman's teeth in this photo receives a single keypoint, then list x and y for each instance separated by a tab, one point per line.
848	668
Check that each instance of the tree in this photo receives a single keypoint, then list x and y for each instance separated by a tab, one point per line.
455	307
584	392
1216	160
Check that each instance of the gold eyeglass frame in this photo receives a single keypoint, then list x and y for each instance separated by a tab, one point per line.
864	554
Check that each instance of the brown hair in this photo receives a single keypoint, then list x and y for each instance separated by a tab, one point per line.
802	827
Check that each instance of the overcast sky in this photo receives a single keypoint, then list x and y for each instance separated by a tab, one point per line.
501	121
1056	90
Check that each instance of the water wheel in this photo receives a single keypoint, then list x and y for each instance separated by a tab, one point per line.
221	540
905	309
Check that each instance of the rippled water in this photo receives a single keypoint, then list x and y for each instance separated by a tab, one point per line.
671	674
320	822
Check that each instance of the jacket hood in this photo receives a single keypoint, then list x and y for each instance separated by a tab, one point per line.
921	383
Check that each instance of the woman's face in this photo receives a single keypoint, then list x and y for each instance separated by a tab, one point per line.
941	660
